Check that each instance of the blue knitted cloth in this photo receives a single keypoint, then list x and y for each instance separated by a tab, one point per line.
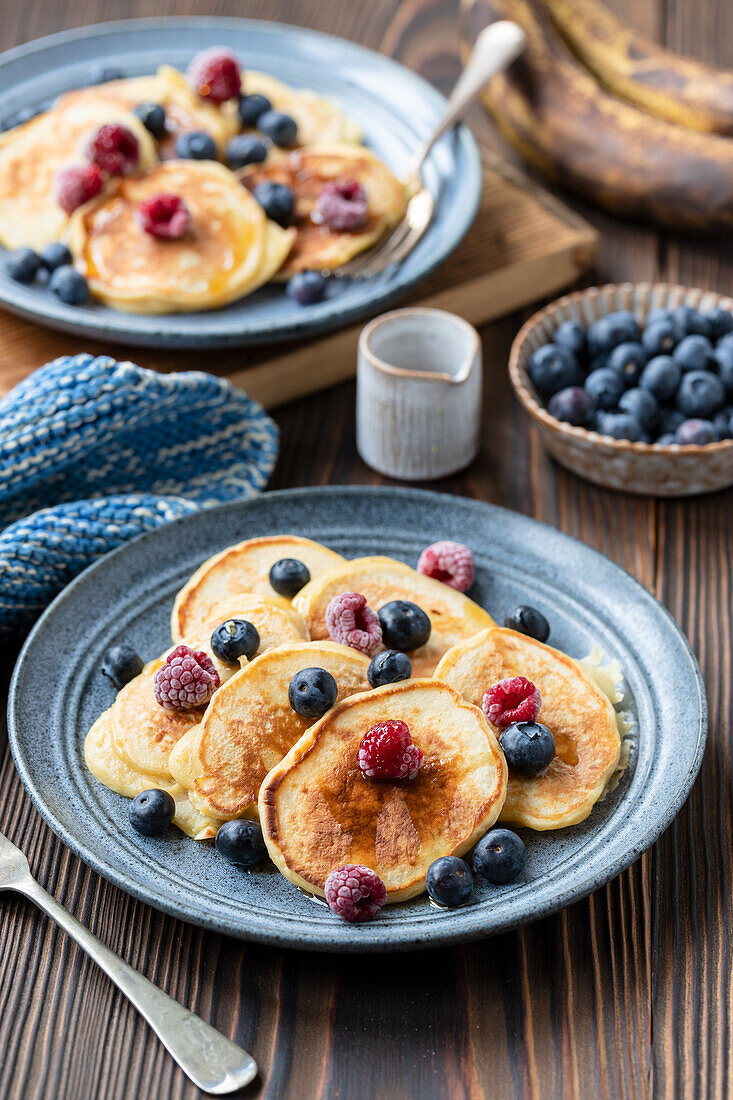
94	452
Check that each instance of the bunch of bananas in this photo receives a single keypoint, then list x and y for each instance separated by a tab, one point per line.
591	105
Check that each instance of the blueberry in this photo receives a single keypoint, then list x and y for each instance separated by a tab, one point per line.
404	625
151	812
499	857
312	692
724	359
388	667
693	353
661	376
725	341
288	576
69	285
628	360
690	320
666	440
152	116
528	620
604	387
233	639
279	127
641	404
659	315
700	395
571	336
120	664
22	265
196	145
573	405
529	747
669	421
277	200
552	369
659	338
723	424
241	842
449	881
608	332
307	287
56	255
695	431
720	322
245	149
619	425
251	107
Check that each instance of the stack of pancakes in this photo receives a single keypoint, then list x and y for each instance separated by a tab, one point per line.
232	247
248	754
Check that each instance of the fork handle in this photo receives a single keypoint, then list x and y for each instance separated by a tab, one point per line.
495	48
213	1062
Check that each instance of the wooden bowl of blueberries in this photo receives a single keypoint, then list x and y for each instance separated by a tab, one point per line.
631	386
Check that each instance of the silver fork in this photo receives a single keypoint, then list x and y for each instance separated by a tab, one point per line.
213	1062
495	48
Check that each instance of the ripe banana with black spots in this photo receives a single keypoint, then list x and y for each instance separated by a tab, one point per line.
567	126
677	88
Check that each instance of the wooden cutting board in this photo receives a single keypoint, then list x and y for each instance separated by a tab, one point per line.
524	245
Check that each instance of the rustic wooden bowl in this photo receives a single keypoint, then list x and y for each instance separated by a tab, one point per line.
619	464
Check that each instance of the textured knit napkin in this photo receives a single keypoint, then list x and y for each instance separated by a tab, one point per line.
94	452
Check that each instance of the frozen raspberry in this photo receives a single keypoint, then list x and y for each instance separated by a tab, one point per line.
355	893
114	148
449	562
78	184
515	699
187	680
214	74
387	752
342	206
165	216
351	622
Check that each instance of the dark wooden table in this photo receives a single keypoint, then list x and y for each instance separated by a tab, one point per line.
628	993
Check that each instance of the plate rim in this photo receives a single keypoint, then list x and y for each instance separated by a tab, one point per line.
369	938
121	326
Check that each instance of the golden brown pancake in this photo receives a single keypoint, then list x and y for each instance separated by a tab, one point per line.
580	716
306	171
244	567
318	812
453	616
318	119
274	618
249	725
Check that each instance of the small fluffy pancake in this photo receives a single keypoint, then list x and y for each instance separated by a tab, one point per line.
318	812
318	119
249	725
275	620
453	616
32	154
244	567
306	171
580	716
229	251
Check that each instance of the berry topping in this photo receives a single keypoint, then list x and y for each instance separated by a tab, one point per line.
342	206
164	216
528	620
69	285
307	287
449	881
277	200
388	667
150	812
312	692
55	255
279	127
449	562
251	107
22	265
404	625
350	621
529	747
77	185
152	116
499	857
186	680
214	74
355	893
241	842
234	639
114	149
120	664
514	699
245	149
196	145
387	752
288	576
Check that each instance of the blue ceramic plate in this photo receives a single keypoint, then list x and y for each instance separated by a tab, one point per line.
128	596
395	108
